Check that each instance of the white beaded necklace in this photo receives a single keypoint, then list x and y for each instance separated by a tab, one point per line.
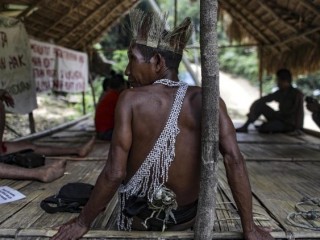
153	173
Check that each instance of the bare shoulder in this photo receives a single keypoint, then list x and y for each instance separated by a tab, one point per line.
128	96
194	94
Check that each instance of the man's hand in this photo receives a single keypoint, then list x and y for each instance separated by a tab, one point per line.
258	233
72	230
6	97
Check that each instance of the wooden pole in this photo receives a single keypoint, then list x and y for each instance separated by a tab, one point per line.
260	71
175	12
84	111
92	91
32	124
210	119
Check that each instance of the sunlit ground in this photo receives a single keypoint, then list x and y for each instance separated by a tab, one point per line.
51	111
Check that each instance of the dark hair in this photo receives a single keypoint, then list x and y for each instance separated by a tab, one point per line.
172	59
284	75
116	82
105	83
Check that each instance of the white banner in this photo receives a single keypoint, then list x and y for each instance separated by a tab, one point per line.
59	68
15	65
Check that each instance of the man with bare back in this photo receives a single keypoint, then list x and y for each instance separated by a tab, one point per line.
154	161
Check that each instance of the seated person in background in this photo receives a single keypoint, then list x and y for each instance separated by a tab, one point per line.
104	117
288	118
314	107
11	147
46	173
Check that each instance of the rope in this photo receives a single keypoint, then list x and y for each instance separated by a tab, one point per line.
308	217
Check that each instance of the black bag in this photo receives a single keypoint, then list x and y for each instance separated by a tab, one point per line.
135	205
70	198
25	158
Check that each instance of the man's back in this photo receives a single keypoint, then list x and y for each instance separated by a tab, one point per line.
151	106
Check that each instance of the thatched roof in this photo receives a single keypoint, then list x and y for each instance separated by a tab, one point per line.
74	24
288	31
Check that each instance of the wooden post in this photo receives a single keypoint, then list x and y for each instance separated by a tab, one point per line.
260	70
84	111
210	119
92	91
32	125
175	12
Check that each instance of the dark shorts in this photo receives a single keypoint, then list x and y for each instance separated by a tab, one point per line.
107	135
182	215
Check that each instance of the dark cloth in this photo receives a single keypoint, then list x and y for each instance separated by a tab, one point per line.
3	147
105	135
316	118
104	116
290	114
182	215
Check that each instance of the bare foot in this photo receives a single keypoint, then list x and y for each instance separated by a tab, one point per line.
52	171
84	150
242	129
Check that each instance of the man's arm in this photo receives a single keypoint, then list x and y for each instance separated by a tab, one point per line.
237	176
111	176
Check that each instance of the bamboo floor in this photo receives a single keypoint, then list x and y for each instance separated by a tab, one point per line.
282	169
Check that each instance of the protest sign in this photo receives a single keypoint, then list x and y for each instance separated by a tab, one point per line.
15	65
59	68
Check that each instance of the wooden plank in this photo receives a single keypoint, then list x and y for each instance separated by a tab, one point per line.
279	138
280	186
258	210
101	234
292	151
30	213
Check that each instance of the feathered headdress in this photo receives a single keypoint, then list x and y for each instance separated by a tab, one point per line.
148	28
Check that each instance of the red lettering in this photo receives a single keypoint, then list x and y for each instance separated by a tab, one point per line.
51	72
38	73
36	61
41	50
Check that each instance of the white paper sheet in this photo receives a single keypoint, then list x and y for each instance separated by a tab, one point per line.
8	194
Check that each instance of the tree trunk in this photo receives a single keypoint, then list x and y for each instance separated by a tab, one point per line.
210	119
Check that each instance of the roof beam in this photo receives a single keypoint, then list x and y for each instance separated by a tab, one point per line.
113	22
311	7
30	9
261	22
116	7
238	15
101	6
61	19
298	36
271	11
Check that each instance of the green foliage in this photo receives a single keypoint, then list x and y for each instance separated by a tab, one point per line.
310	84
239	61
121	60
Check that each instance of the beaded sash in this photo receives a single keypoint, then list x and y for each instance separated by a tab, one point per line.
153	172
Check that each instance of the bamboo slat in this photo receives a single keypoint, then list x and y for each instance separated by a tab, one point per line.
289	151
279	187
